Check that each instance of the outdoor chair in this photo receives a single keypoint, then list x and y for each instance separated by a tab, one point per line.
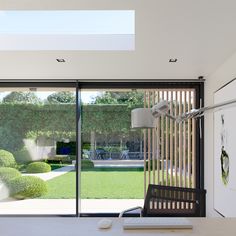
168	201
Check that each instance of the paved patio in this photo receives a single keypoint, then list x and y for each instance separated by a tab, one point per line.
65	206
118	163
53	173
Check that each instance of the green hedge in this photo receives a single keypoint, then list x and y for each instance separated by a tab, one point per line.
20	121
57	121
22	156
7	159
8	173
27	187
86	165
38	167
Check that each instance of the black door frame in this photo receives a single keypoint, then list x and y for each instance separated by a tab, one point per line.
198	85
51	84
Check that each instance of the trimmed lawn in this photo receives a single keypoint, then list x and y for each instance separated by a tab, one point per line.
98	185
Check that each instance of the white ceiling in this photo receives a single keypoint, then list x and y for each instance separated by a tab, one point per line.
201	34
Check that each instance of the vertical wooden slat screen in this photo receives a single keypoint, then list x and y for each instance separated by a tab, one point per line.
170	148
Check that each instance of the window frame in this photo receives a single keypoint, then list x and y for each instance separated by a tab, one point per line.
198	85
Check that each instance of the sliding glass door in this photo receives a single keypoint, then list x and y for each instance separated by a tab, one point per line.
118	162
67	148
112	152
38	149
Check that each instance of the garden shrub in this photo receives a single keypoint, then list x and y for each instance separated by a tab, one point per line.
58	159
8	173
27	187
22	156
7	159
72	157
38	167
86	165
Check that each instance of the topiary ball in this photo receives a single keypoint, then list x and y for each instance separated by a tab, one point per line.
38	167
86	165
7	159
27	187
8	173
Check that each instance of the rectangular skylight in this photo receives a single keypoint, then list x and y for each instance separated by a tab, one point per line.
67	30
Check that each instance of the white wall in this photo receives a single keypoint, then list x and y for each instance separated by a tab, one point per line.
199	33
221	76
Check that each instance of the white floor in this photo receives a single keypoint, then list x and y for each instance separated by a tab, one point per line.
65	206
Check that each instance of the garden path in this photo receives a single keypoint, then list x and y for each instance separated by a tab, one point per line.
54	173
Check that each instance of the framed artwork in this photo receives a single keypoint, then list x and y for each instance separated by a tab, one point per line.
225	152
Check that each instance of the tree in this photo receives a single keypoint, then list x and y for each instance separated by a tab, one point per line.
21	97
133	99
61	97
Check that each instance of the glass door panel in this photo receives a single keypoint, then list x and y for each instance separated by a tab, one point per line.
38	150
112	153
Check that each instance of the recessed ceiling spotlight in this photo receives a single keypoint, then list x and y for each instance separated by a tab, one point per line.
173	60
60	60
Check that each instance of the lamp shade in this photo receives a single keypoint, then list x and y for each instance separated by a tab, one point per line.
142	118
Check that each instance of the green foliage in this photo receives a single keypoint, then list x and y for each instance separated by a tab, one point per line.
20	121
7	159
27	187
113	148
8	173
58	121
86	146
106	119
10	139
22	156
86	165
132	99
62	97
59	158
38	167
72	157
110	114
21	97
106	98
58	135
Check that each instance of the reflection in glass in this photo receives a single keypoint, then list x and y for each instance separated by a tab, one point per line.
37	151
112	153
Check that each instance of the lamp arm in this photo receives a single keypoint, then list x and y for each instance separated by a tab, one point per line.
196	113
171	117
217	105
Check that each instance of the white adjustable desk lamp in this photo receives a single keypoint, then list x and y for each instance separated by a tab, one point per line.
145	117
